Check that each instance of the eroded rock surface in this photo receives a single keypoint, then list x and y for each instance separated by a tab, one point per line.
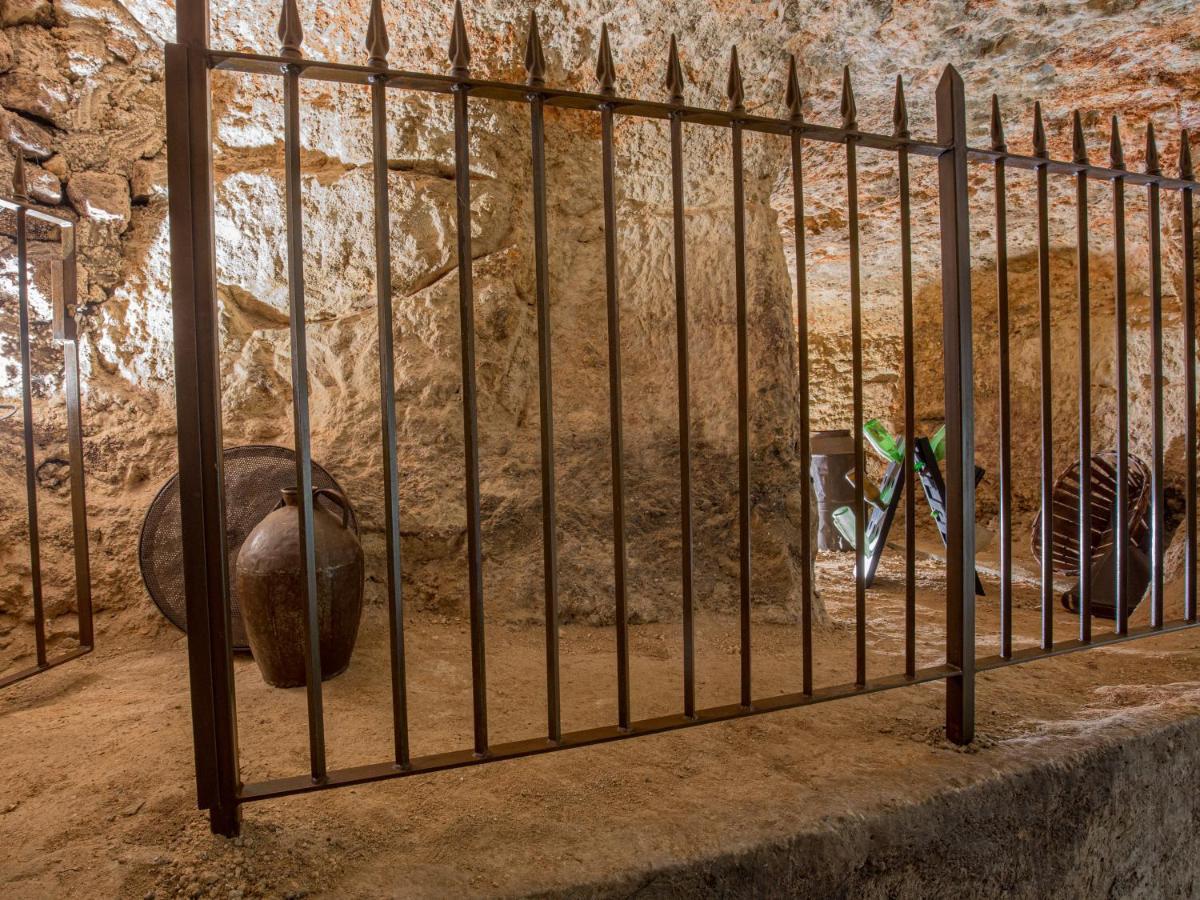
82	93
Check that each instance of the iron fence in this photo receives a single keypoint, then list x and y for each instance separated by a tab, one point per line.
189	63
1082	171
64	330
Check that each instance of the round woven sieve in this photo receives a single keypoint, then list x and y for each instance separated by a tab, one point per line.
254	476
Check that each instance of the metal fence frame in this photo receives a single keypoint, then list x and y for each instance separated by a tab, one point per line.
189	62
64	295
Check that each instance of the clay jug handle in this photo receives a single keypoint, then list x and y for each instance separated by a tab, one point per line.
284	495
338	498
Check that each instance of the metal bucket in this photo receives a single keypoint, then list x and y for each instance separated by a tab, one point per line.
832	459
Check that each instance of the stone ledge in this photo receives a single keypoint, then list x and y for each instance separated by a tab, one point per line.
1107	821
1068	789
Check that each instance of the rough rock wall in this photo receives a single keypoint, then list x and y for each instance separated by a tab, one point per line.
1090	56
339	274
80	86
127	323
81	91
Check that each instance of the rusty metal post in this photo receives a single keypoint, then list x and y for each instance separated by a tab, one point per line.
291	35
675	84
65	281
1187	214
1046	357
850	124
900	128
606	77
1005	363
1083	289
535	69
736	94
377	49
198	401
35	554
1120	312
795	104
460	59
960	407
1158	526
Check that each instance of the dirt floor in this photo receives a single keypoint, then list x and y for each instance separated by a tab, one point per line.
98	799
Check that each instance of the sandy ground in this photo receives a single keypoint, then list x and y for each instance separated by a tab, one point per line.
98	799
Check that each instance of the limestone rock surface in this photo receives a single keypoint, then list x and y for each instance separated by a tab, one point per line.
25	12
81	90
101	197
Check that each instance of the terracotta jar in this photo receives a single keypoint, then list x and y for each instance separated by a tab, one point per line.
271	593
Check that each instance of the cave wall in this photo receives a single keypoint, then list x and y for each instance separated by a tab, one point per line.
81	91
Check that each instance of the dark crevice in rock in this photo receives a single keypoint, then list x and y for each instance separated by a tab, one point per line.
250	312
438	275
431	169
422	167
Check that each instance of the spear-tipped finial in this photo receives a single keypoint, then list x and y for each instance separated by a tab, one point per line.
734	89
849	108
1186	172
674	79
291	34
606	70
20	192
1039	131
794	99
1078	142
900	111
1153	167
460	49
535	57
1116	153
377	39
997	126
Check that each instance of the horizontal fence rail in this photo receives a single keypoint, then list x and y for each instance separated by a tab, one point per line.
190	63
63	290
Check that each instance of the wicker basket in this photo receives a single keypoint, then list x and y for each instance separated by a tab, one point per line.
1065	504
254	476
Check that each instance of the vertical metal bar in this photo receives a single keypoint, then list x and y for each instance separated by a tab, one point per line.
300	419
387	411
192	23
806	586
1122	354
1047	444
35	552
1085	408
535	68
743	369
960	407
66	284
910	424
900	121
1005	434
860	461
466	310
1157	514
685	429
616	430
1189	389
541	248
198	412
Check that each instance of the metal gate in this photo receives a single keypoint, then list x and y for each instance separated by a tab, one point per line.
62	282
189	63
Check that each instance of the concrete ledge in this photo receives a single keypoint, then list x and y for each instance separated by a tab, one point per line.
1081	783
1117	820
